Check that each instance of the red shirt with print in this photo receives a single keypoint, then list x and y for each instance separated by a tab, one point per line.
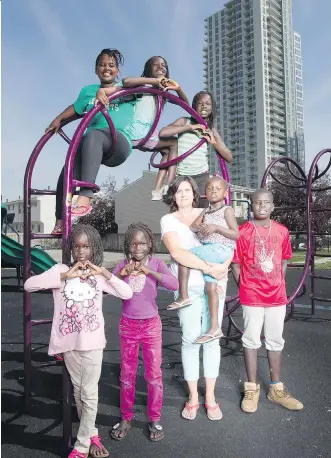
260	253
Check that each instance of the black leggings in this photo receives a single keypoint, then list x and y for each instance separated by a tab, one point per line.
95	148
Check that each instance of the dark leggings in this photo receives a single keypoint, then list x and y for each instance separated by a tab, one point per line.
95	148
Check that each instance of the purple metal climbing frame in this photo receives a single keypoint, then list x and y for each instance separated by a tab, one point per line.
304	182
68	187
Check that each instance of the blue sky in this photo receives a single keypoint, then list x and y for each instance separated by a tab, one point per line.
49	50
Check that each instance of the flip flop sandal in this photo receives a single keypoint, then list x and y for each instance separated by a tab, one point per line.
190	408
96	440
210	408
86	209
155	427
179	305
76	454
211	337
58	357
124	429
57	230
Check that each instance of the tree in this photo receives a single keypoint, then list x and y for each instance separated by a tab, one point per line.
126	182
103	215
295	218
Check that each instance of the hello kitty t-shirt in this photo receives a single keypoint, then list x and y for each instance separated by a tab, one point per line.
262	283
78	322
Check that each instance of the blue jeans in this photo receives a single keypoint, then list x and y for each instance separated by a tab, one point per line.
194	321
212	252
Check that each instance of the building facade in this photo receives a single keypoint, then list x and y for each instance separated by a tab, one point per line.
42	214
133	204
249	66
300	137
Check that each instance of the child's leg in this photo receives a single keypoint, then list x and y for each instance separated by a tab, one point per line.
129	344
274	342
211	289
98	148
251	340
169	149
152	357
214	331
84	368
183	298
59	187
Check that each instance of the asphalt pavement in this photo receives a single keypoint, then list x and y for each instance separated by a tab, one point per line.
272	432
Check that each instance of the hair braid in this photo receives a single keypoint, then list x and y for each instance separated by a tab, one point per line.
93	238
132	229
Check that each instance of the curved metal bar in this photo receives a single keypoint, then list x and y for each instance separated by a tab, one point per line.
304	178
110	125
274	162
325	170
302	186
64	136
143	141
27	324
176	159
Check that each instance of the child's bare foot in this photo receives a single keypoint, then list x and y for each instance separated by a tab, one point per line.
82	206
180	303
211	334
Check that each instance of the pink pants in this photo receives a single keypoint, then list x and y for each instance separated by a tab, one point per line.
148	332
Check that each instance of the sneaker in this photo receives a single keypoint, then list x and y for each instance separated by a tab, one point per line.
279	394
165	189
157	195
251	397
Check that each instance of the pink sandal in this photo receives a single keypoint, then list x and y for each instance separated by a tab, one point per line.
57	229
188	407
76	454
96	440
214	408
85	210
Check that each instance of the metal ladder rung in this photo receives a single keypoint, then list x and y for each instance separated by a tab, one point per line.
320	277
36	322
45	236
85	184
43	192
322	299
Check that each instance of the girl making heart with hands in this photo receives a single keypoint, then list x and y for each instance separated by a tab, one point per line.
78	326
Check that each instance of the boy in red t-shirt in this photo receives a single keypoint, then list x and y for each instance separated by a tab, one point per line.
259	267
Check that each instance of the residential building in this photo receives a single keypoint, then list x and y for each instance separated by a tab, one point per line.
42	214
300	138
249	66
133	203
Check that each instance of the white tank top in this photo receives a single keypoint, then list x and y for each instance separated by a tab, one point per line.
197	162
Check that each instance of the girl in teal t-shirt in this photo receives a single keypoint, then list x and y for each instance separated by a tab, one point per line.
97	146
155	74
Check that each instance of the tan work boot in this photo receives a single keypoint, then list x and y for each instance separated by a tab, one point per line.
279	394
251	397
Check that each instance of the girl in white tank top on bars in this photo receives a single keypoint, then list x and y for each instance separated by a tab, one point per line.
190	133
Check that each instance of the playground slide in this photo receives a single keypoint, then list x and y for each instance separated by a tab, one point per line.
12	254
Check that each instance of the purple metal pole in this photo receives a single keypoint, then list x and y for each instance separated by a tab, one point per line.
27	327
310	237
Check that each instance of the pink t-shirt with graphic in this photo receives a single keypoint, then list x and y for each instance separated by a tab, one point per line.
78	322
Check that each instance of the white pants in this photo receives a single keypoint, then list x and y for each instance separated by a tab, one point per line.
84	368
194	321
272	319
